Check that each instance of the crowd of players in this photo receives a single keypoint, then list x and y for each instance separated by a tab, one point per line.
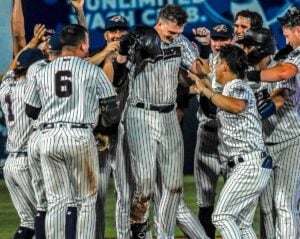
126	100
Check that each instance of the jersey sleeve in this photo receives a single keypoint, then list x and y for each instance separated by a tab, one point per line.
189	52
32	96
34	68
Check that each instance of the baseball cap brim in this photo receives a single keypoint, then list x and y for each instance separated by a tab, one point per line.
29	56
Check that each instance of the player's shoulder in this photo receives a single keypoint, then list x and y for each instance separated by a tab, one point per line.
8	77
36	67
6	82
293	57
237	85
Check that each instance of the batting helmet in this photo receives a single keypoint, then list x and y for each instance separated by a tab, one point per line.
263	41
291	18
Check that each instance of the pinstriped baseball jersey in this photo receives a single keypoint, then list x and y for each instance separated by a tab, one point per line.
158	140
34	68
61	78
285	124
281	132
240	133
16	169
18	124
157	83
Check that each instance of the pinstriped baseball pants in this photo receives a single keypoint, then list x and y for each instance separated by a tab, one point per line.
106	164
283	191
155	139
36	171
71	171
18	181
188	223
207	166
124	185
234	212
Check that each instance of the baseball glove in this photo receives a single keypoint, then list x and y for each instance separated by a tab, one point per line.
102	142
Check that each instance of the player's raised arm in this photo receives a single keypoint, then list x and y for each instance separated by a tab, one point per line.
17	27
116	27
227	70
39	31
202	36
78	7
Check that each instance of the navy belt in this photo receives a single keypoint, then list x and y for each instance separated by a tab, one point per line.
232	162
161	109
64	125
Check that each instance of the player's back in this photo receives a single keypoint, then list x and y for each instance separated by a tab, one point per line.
12	103
69	91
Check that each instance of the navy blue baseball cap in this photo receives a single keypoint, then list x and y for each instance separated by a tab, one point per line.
221	31
116	22
29	56
54	43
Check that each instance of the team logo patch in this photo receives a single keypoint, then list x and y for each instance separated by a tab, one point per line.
117	19
220	28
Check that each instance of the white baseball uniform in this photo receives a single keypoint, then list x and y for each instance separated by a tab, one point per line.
68	91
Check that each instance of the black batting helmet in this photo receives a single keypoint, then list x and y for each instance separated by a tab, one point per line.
263	41
291	18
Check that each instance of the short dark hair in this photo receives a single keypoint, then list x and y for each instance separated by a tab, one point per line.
235	58
173	13
73	35
255	18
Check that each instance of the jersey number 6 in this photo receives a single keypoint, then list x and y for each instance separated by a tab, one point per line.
63	86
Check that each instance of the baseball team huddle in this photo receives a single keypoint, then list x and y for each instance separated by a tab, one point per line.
75	118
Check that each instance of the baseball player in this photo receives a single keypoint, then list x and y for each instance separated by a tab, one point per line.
65	97
152	129
53	51
282	129
17	169
207	165
241	145
260	44
115	27
244	20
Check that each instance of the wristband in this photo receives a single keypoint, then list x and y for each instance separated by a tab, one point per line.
205	50
254	76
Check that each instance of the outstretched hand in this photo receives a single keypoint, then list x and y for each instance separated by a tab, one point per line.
200	84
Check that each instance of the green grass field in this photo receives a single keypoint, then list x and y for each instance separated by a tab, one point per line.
9	219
